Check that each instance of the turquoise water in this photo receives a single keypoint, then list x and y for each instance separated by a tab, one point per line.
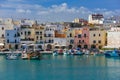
61	68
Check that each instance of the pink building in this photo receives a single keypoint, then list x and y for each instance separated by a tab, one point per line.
81	39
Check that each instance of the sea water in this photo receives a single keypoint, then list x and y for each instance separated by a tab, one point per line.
87	67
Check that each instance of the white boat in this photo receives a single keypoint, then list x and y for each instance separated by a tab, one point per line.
87	52
24	56
65	52
55	53
12	56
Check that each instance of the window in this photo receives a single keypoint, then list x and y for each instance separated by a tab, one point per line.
21	33
40	37
25	32
84	35
52	41
99	35
71	41
15	35
79	41
8	41
99	41
37	33
94	35
49	41
83	41
2	35
37	37
94	41
15	41
40	32
2	28
79	36
29	32
7	34
49	35
70	34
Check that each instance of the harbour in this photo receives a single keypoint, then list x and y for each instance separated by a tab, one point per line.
86	67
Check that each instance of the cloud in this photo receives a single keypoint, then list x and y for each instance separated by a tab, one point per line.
61	12
23	11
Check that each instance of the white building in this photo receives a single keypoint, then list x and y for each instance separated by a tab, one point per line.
113	38
60	42
5	24
49	35
96	19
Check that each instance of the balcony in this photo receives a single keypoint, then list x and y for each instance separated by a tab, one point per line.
27	41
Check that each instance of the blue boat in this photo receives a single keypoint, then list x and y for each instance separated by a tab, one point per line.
113	53
78	53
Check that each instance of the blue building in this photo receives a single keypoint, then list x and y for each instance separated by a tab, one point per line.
12	38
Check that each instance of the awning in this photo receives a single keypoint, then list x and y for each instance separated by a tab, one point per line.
112	46
1	44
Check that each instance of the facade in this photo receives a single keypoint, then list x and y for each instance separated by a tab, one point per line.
49	35
39	36
96	19
60	43
12	38
113	38
27	35
81	39
70	37
5	24
97	38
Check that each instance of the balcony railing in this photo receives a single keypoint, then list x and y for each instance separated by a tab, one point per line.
27	39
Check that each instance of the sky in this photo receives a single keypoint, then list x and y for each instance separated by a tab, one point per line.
57	10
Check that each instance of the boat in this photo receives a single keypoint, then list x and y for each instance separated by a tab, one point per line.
24	56
55	53
35	55
12	56
65	52
78	53
112	53
87	52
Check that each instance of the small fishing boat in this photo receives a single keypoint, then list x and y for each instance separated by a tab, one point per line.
113	53
12	56
34	55
55	53
78	53
87	52
24	56
65	52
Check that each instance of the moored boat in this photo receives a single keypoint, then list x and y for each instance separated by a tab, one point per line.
78	53
55	53
12	56
24	56
113	53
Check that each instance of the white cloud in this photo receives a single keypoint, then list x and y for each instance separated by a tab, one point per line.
20	11
23	11
60	12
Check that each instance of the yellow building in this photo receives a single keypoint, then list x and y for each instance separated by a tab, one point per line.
39	35
27	34
70	37
97	38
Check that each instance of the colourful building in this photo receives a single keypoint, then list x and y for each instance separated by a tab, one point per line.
97	38
81	39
